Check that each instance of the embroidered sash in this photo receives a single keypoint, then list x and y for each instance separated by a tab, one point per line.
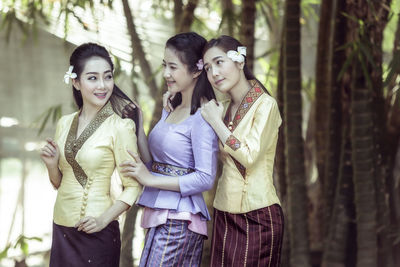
169	170
247	102
73	144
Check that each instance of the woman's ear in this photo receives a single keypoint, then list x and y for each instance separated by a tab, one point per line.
76	84
241	65
196	74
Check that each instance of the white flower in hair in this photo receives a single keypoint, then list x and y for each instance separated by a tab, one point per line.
238	55
69	75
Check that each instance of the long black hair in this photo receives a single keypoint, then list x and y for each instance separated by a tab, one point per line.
78	60
189	48
226	43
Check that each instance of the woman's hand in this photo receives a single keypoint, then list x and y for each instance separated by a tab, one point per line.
167	98
133	110
90	225
212	111
136	170
50	154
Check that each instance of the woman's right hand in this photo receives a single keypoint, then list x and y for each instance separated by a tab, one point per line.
130	110
50	154
167	98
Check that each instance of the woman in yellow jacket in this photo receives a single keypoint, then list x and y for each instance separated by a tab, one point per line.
88	145
248	219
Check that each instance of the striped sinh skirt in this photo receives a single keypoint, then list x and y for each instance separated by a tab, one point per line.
71	248
172	244
248	239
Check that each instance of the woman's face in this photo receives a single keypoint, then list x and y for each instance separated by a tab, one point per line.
96	82
176	73
222	72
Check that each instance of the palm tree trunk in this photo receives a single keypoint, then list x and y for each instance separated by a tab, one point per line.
322	84
187	17
138	54
126	258
247	29
228	17
294	145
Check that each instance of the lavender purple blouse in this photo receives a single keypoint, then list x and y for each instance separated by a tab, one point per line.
193	144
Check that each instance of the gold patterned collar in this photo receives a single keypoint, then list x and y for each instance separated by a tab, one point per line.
73	144
248	100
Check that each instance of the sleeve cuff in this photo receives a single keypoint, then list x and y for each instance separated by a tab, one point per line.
233	142
129	195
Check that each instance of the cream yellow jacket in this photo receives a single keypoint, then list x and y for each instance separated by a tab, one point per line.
253	145
102	151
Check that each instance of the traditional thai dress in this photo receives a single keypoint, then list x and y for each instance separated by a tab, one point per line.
248	219
176	221
87	163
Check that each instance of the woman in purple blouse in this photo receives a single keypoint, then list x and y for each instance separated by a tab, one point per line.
184	151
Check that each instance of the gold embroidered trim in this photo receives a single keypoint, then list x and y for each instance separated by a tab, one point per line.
72	144
252	95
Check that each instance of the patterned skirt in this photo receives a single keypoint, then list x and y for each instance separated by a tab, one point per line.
72	248
172	244
248	239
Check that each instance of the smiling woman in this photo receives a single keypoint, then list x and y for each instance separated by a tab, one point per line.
88	146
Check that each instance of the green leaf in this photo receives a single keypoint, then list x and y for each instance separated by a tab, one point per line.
346	64
4	253
365	71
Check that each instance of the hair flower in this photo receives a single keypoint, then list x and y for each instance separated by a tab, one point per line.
69	75
238	55
200	64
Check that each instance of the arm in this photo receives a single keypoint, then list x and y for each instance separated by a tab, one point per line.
129	111
205	149
91	224
50	155
124	139
263	132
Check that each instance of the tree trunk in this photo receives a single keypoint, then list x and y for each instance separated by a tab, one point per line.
228	17
280	181
188	16
294	145
126	258
139	55
378	17
178	11
323	88
337	248
247	29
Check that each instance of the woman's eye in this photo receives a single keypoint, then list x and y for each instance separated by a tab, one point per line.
109	77
92	78
219	62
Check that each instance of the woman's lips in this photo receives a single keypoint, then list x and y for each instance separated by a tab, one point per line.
101	96
219	81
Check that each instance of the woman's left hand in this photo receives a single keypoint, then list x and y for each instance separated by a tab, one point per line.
90	225
136	169
212	111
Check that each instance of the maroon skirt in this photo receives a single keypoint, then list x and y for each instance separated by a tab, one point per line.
72	248
247	239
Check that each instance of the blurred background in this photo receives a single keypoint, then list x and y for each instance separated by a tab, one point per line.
333	66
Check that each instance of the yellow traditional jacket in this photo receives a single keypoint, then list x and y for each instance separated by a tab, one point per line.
246	182
87	163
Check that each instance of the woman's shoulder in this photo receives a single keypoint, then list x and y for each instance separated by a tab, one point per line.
267	101
116	122
67	118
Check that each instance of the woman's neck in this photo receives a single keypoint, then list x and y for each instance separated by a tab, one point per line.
187	97
88	112
239	91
